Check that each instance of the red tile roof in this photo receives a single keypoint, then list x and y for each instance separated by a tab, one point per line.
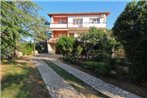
76	14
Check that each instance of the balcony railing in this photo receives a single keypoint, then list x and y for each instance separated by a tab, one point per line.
82	25
57	25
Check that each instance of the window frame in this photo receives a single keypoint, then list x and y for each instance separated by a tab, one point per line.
94	20
77	21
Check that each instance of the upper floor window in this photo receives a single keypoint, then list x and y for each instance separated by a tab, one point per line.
62	22
94	20
78	21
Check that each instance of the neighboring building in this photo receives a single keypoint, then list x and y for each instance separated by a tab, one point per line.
74	24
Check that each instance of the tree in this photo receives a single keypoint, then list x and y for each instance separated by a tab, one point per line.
18	20
131	30
39	32
97	37
9	27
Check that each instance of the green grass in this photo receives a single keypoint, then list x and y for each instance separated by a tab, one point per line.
21	80
79	85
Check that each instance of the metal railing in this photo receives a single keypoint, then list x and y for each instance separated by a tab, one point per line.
79	25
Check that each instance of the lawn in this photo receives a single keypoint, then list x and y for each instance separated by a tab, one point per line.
77	84
21	79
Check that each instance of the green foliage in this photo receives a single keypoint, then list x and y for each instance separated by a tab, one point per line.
65	44
103	68
131	30
79	50
102	57
100	38
19	20
26	48
99	67
90	64
10	29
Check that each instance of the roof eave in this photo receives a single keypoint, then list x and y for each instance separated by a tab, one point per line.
69	14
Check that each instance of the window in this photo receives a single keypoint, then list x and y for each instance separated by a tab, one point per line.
94	20
78	21
62	22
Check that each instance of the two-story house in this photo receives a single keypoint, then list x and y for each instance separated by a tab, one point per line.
74	24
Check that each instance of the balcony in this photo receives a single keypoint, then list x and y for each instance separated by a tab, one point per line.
57	25
87	25
72	25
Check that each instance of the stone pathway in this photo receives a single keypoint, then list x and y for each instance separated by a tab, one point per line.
55	83
103	87
58	88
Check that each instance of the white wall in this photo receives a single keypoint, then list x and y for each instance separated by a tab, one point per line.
58	25
50	49
86	21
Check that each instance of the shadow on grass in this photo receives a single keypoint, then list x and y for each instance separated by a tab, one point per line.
27	84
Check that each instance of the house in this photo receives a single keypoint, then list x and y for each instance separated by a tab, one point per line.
74	24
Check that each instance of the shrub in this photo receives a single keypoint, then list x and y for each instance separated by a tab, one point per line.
98	57
90	64
103	68
97	39
131	30
79	50
100	67
118	61
65	45
102	57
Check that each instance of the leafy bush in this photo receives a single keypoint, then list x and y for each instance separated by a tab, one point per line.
26	48
103	68
89	64
100	67
79	50
65	45
118	61
131	30
102	57
98	57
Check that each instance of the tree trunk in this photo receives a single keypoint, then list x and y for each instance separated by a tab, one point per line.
34	46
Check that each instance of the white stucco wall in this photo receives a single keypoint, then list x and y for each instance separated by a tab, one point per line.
86	20
58	25
50	49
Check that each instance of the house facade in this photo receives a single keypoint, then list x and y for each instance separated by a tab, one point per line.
74	24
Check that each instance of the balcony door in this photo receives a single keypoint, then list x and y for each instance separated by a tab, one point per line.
94	20
62	22
78	21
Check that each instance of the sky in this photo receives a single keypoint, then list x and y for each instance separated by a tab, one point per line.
115	7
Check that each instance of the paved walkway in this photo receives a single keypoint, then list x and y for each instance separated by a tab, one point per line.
58	88
101	86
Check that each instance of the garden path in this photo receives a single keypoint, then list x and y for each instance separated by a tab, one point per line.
57	87
101	86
